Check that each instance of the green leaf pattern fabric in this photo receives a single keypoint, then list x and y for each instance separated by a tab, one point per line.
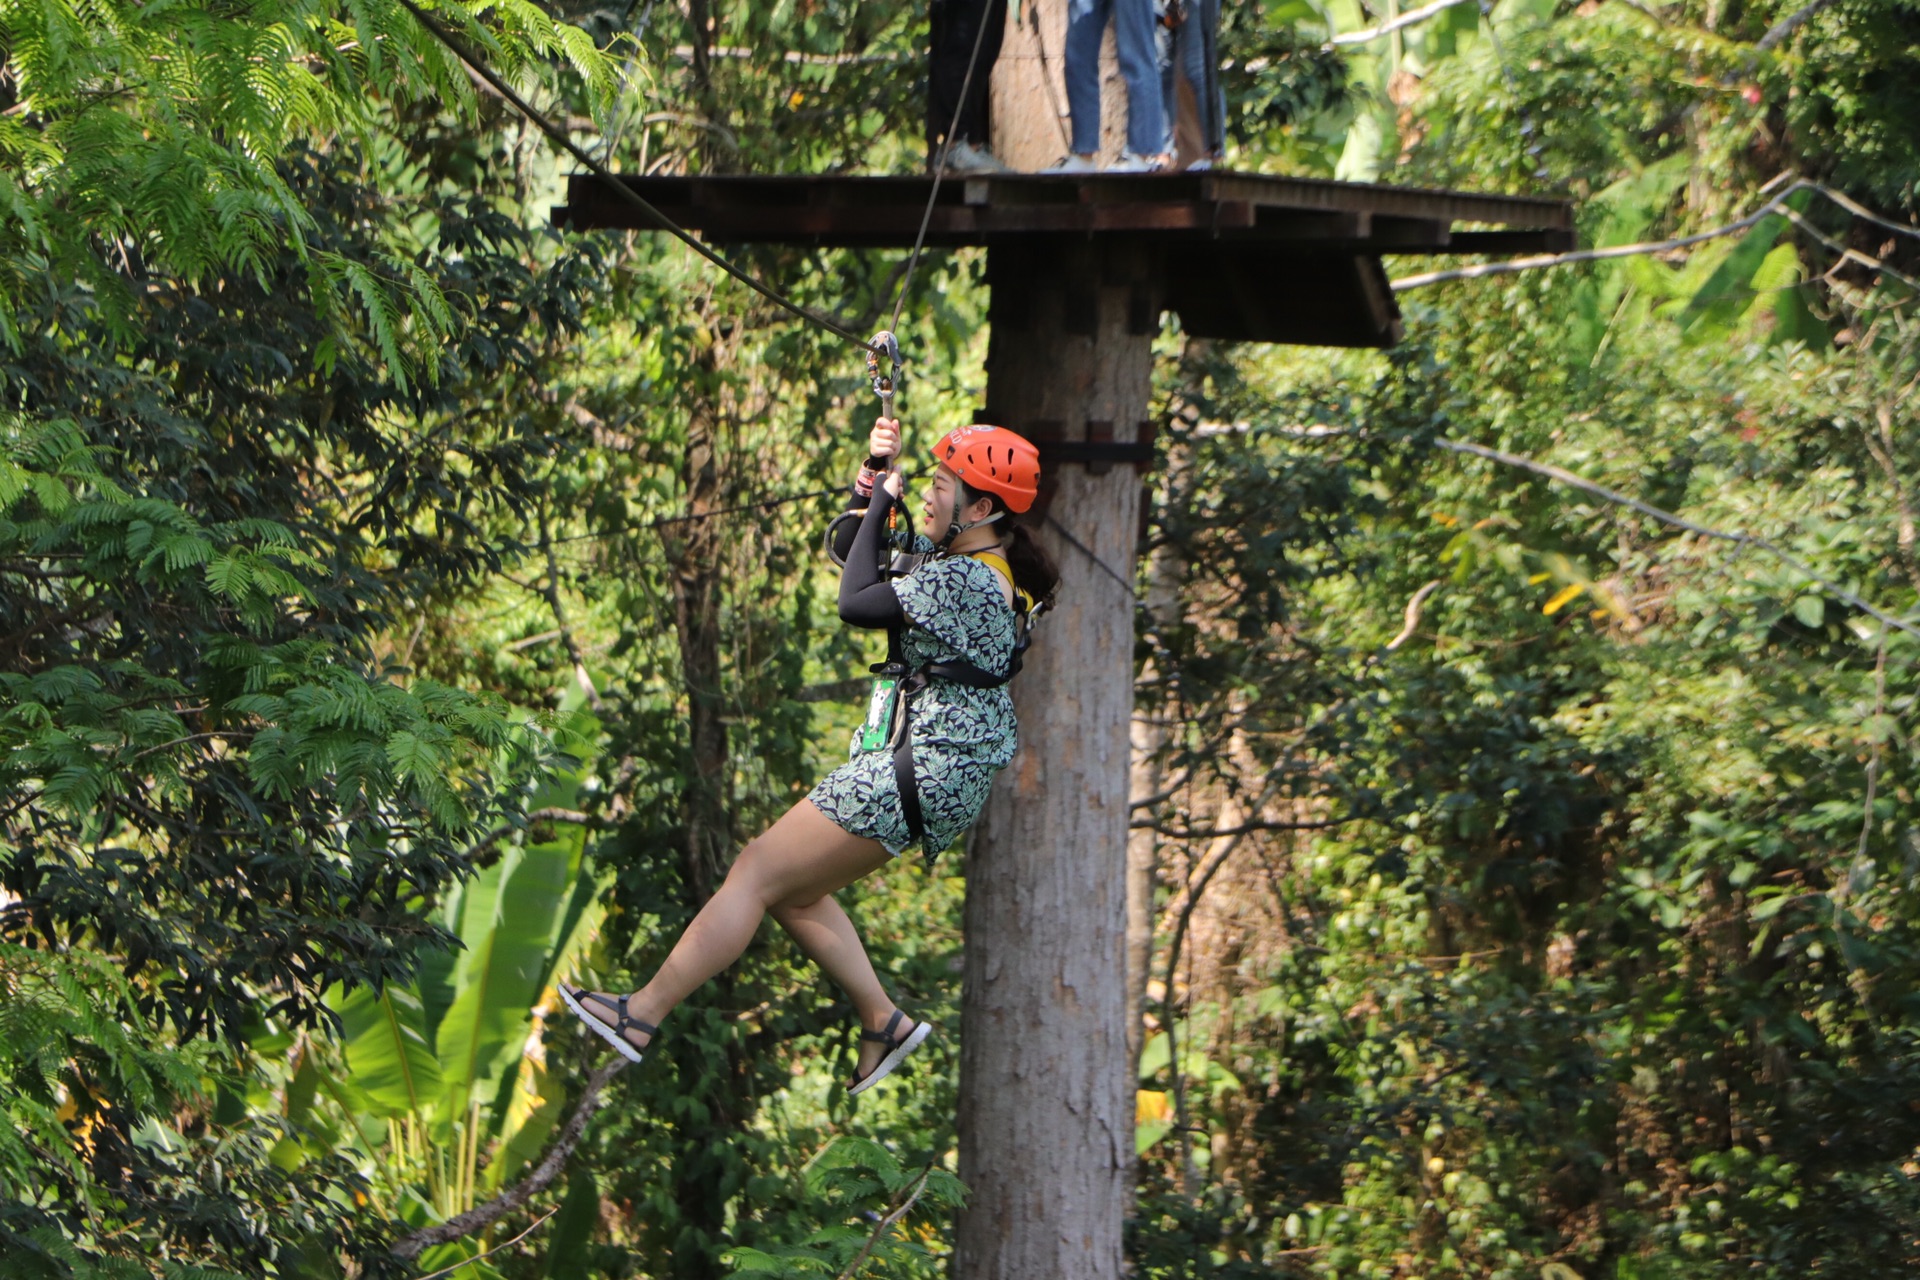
961	736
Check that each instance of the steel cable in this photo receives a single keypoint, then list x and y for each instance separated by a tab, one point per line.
558	135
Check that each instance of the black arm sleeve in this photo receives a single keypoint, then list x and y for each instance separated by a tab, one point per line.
843	535
867	599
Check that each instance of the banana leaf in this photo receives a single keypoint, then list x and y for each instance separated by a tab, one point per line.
504	969
392	1061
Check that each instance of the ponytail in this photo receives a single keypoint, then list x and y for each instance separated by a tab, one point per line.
1033	569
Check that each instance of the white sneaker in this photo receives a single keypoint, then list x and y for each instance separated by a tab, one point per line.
1131	163
967	158
1073	162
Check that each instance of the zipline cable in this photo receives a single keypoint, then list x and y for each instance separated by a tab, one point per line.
600	171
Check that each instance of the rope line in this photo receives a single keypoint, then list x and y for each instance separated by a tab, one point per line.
764	504
1736	537
600	171
939	172
1090	554
1775	206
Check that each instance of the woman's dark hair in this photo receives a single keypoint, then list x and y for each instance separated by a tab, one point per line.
1033	569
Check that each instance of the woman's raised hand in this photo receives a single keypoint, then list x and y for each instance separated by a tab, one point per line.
884	441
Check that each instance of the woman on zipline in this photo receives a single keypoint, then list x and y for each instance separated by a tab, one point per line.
953	621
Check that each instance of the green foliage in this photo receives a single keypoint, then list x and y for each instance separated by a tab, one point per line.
156	133
878	1210
328	488
1615	918
452	1066
117	1163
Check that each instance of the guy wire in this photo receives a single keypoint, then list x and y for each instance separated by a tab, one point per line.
600	171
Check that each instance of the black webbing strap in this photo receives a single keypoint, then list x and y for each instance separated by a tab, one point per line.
960	671
908	785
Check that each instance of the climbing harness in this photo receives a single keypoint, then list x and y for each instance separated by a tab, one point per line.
904	682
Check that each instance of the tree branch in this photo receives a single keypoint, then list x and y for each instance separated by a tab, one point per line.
853	690
1780	30
486	842
880	1228
447	1271
552	594
1406	19
1245	828
410	1246
1412	618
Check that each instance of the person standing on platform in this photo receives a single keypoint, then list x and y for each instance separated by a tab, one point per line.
1193	59
956	28
1149	141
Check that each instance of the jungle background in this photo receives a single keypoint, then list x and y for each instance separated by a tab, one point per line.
404	606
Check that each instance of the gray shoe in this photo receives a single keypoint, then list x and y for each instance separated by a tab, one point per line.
1073	162
898	1047
967	158
1131	163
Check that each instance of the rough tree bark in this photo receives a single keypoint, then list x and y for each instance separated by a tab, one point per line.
1046	1101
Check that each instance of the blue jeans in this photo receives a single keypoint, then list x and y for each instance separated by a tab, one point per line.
1196	57
1147	133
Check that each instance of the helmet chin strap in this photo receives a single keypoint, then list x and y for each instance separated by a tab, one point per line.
954	525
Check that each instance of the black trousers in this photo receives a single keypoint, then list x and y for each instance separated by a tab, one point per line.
956	24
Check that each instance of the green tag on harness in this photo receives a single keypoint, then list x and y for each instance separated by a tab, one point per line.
876	731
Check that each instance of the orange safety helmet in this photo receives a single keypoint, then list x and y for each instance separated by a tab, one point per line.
993	460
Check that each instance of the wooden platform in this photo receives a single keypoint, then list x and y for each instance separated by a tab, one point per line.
1242	256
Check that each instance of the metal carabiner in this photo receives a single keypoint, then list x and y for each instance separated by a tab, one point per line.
884	383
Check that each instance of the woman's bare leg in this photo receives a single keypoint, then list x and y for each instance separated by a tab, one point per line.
828	937
824	932
799	861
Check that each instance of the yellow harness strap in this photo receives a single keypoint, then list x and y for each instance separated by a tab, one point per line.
998	563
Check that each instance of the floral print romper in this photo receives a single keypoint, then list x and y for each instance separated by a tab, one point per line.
962	736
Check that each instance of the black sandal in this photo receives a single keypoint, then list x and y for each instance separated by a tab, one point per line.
614	1033
897	1050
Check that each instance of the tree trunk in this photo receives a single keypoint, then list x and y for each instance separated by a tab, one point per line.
697	578
1046	1096
1150	739
704	1167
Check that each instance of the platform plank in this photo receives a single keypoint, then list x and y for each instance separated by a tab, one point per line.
1256	257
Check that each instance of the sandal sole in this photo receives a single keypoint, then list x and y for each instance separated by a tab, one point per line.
601	1029
894	1058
